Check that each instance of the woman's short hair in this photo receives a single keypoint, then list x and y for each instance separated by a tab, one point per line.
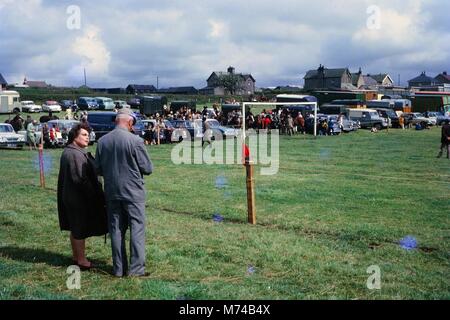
75	131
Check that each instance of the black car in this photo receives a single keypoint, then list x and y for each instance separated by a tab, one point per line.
68	104
87	103
134	103
104	122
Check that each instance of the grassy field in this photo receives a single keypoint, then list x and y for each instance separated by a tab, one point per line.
337	206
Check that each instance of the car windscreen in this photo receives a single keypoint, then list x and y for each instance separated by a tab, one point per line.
6	129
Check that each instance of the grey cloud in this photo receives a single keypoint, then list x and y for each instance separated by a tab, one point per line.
276	41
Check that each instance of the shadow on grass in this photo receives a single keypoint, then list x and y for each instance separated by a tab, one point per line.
30	255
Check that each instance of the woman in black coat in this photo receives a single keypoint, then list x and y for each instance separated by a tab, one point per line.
81	204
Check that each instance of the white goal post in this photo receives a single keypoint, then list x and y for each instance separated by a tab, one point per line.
245	104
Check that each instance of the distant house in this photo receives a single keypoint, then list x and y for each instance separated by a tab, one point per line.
370	83
324	78
358	79
423	81
443	78
179	90
140	88
382	79
3	82
245	86
35	84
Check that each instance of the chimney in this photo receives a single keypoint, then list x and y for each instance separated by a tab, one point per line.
230	70
444	73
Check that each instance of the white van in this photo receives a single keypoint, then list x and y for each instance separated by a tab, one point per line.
105	103
9	102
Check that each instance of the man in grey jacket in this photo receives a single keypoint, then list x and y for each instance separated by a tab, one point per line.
121	158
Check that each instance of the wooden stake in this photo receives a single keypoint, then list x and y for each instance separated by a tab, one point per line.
41	159
41	165
250	193
157	132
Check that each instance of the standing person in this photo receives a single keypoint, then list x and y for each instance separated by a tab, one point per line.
31	134
27	122
81	203
290	123
123	161
445	139
401	121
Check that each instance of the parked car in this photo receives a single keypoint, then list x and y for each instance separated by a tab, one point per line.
68	104
10	139
121	104
64	127
441	117
87	103
394	120
410	119
30	106
345	123
216	127
195	131
431	116
134	103
105	103
413	118
52	106
368	118
104	122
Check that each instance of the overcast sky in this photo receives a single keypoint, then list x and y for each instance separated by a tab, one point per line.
182	42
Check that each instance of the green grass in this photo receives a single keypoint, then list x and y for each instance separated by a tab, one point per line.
337	206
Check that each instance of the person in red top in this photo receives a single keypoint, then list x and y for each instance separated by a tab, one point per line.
300	122
52	134
267	122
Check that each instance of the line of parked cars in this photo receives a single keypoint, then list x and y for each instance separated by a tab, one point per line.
173	131
82	103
